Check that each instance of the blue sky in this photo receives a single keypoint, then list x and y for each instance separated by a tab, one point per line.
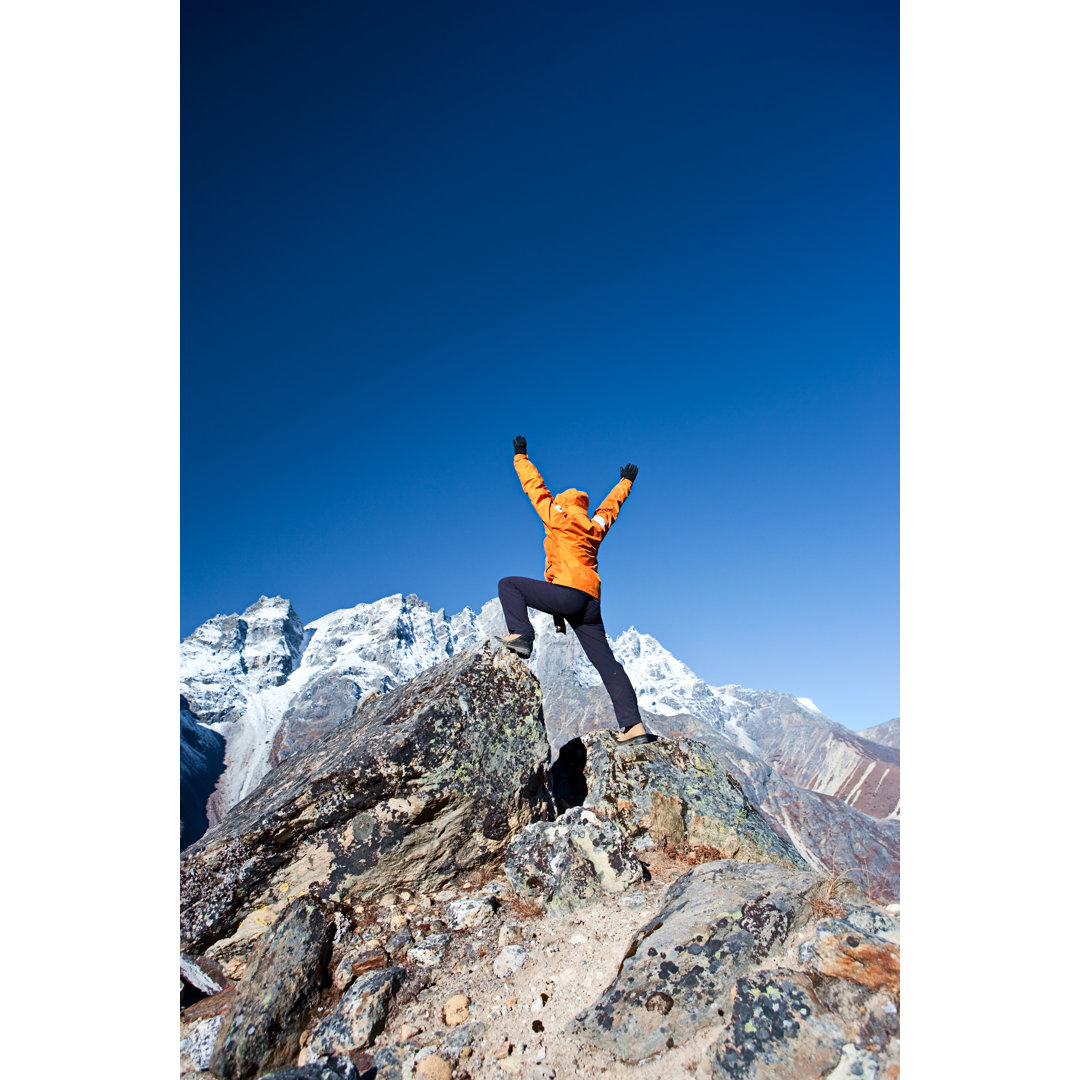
658	233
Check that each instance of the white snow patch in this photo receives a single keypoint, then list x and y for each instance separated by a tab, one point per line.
806	703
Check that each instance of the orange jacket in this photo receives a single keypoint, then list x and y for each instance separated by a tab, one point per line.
572	537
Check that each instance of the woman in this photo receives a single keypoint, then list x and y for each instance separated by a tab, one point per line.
571	591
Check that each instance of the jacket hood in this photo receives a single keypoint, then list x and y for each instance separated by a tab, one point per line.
573	497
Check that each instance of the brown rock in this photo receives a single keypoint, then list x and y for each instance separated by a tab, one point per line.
215	1005
433	1067
456	1010
851	956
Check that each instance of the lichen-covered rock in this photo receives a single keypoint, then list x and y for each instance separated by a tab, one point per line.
777	1031
395	1061
719	922
677	791
334	1068
567	862
359	1016
262	1028
426	781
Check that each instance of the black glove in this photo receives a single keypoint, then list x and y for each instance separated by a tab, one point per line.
519	444
628	472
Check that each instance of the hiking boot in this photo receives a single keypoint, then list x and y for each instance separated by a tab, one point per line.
633	736
518	643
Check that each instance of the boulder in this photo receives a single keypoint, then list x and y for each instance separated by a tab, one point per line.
677	791
719	922
422	783
262	1027
359	1016
567	862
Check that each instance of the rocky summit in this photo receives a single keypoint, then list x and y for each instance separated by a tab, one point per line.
420	892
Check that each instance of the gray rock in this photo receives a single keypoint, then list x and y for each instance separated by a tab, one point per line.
569	861
509	960
429	951
197	1043
468	1034
462	914
360	1015
718	923
422	783
677	791
262	1027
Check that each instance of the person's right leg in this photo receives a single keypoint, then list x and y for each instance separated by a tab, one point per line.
518	594
589	628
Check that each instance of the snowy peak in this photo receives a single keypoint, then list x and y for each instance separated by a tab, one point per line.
232	657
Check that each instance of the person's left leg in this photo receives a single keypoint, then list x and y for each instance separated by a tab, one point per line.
518	594
589	627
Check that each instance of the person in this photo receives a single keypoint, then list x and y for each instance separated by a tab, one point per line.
571	589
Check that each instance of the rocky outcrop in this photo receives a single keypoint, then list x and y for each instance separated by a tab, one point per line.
677	791
739	948
420	784
272	1005
565	863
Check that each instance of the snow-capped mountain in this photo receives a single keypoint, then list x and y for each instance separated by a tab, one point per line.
270	685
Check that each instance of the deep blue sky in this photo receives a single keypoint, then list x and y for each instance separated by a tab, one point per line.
665	233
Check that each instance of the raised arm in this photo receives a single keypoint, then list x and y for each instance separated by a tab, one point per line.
608	510
533	482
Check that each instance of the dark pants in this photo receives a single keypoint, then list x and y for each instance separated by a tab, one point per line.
582	612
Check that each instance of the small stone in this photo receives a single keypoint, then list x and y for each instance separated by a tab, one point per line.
429	952
511	934
578	939
539	1003
462	914
405	896
509	960
398	920
504	1051
408	1031
388	900
511	1001
456	1010
466	1051
426	903
433	1067
399	942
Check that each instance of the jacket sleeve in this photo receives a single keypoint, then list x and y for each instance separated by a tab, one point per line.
535	488
608	510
